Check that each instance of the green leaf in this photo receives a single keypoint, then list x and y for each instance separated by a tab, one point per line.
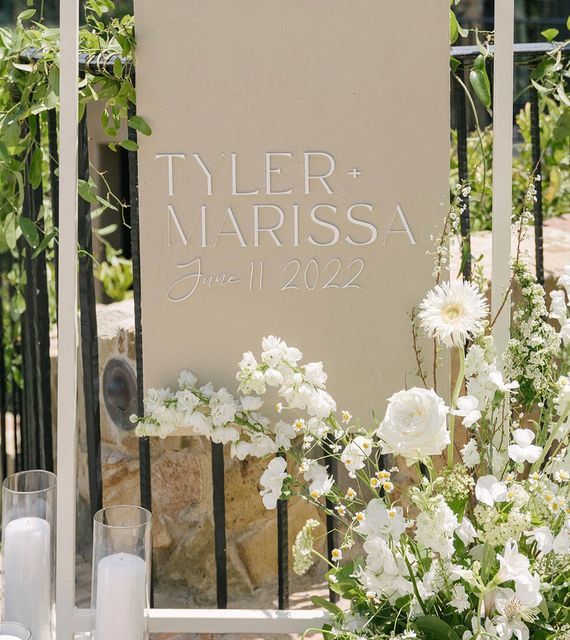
36	168
10	231
568	23
86	191
550	34
453	27
26	15
138	123
480	81
44	243
433	628
30	231
118	68
129	145
562	127
4	153
326	604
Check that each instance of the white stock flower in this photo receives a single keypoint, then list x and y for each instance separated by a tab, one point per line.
385	572
523	450
435	529
459	600
356	453
467	408
489	490
223	407
381	521
186	400
284	434
543	537
187	380
224	434
454	312
314	374
155	398
200	424
272	482
470	454
250	403
562	400
415	425
558	306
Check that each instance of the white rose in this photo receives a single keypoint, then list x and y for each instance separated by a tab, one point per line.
415	425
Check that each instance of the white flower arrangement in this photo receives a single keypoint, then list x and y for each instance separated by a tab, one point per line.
479	546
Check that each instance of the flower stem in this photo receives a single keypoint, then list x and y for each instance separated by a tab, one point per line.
456	392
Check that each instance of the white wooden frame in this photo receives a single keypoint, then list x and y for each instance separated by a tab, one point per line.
71	620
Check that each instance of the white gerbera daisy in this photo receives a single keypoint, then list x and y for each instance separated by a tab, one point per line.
454	312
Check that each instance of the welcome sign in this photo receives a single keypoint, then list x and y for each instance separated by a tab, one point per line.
297	169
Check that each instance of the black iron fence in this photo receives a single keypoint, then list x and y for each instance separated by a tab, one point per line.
25	390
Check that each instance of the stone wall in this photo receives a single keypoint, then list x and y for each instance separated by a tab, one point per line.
183	530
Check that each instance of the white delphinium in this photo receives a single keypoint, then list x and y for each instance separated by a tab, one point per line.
470	454
523	450
513	565
186	400
303	547
543	538
356	453
561	544
489	490
560	308
468	409
415	425
453	313
272	482
466	532
435	528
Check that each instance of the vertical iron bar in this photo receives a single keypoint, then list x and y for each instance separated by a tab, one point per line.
89	335
537	168
219	500
144	443
463	166
145	476
283	553
3	390
332	536
42	345
54	179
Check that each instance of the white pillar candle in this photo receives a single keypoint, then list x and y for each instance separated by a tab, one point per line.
27	575
121	598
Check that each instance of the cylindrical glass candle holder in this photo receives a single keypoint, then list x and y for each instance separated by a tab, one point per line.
14	631
120	586
28	538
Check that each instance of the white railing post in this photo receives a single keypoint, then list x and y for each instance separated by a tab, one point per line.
502	167
67	321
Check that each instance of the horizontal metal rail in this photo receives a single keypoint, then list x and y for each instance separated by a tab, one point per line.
102	63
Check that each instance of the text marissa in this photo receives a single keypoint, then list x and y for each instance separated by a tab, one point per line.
281	226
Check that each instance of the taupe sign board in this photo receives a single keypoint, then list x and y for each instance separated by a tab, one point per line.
297	169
